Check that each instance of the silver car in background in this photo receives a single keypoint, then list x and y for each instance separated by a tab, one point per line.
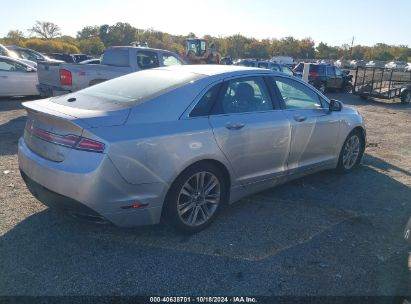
179	142
17	78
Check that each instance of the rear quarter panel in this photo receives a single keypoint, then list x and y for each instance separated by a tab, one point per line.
158	152
157	142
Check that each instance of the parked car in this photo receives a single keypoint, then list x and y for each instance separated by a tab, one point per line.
80	57
17	78
91	61
62	57
396	65
357	63
58	79
375	64
342	63
326	76
179	142
265	64
287	60
30	54
226	60
5	52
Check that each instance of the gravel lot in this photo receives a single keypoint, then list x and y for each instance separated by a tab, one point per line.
327	234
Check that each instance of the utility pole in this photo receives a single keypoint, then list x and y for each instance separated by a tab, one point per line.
352	45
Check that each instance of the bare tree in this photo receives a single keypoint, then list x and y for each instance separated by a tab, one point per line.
46	30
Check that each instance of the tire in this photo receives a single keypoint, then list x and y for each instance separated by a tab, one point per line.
348	88
351	152
406	96
184	193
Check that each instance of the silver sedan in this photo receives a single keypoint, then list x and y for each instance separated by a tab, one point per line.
179	142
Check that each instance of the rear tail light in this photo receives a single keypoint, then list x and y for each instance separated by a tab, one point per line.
69	140
90	145
65	77
313	74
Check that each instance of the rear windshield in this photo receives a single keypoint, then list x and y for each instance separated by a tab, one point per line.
129	90
314	68
116	57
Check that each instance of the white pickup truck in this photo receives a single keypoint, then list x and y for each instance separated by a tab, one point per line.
62	78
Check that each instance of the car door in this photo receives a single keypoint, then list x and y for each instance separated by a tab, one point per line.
339	78
16	79
314	129
251	131
331	79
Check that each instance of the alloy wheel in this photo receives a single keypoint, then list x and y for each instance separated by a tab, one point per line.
351	152
199	198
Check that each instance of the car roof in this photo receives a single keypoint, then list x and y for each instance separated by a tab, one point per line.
216	69
15	60
137	48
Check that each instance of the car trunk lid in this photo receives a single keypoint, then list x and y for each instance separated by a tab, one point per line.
51	128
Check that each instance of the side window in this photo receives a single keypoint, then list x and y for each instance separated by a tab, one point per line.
263	65
147	60
169	59
11	66
287	70
330	71
296	95
244	95
338	72
275	67
204	105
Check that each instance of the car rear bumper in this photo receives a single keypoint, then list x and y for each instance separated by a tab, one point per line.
50	91
98	192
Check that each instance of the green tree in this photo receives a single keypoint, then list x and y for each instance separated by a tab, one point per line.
50	46
92	45
15	37
257	49
307	48
88	32
324	51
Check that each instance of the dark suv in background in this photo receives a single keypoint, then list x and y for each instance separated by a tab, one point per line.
326	76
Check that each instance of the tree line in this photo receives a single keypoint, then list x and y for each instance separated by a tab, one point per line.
46	37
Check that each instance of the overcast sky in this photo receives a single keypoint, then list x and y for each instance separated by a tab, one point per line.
331	21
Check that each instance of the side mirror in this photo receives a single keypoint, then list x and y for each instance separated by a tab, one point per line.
335	105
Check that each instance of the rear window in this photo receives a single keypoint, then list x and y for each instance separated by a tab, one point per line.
129	90
116	57
299	67
314	68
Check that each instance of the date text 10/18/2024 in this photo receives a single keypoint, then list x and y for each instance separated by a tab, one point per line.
203	300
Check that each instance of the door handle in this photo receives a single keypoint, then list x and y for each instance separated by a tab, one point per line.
299	118
234	126
4	76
